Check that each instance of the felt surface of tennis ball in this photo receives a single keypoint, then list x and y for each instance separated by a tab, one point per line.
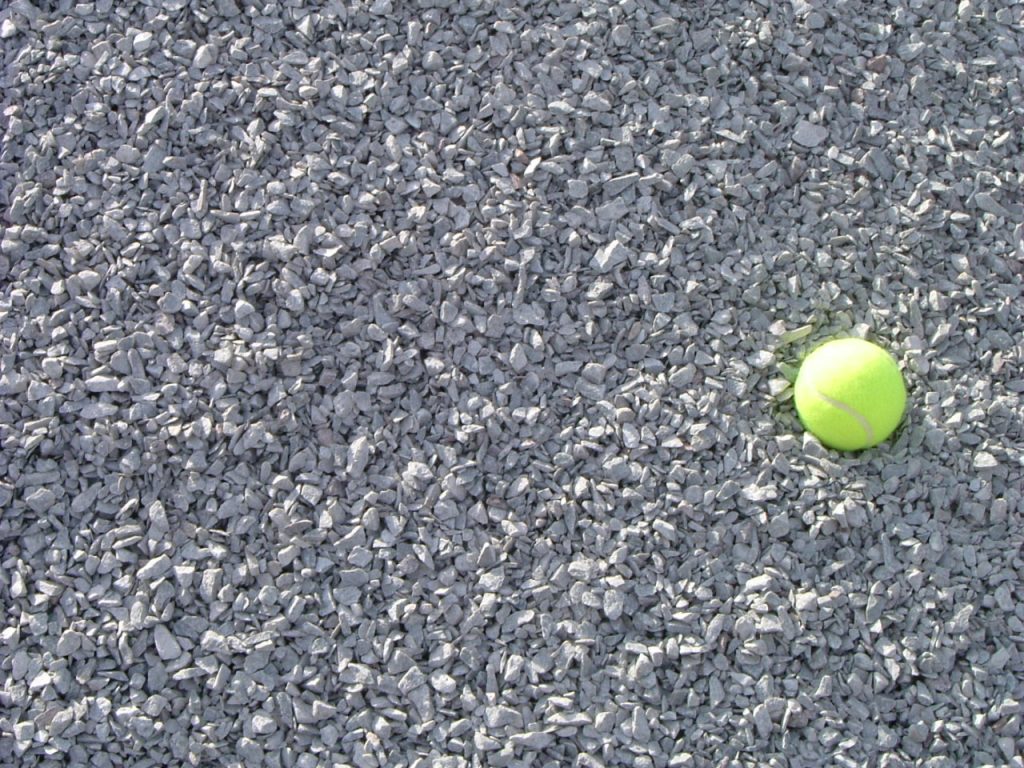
850	394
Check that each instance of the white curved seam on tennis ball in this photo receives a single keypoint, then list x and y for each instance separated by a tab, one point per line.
864	423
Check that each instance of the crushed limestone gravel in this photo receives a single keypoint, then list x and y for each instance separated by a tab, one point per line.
405	383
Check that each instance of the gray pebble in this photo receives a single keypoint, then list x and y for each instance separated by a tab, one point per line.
167	645
596	102
205	56
985	460
577	189
809	134
610	256
69	643
532	739
358	456
614	604
263	724
518	359
142	42
432	61
620	184
155	568
41	500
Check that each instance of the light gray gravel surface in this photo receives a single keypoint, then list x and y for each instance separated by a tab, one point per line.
392	383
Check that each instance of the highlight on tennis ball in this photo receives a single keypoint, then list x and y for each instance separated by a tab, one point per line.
850	394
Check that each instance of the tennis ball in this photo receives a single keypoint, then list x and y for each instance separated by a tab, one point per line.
850	394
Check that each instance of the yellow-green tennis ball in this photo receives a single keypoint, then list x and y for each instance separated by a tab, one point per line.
850	394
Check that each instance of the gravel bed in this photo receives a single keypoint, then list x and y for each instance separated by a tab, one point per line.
392	383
